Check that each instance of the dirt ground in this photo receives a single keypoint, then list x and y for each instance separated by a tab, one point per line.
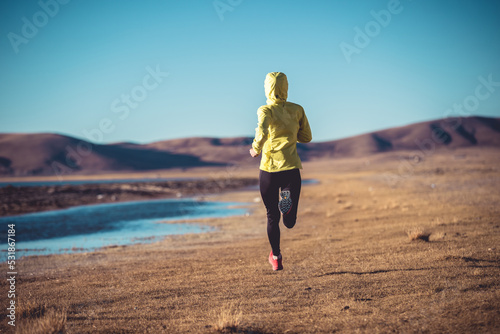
349	264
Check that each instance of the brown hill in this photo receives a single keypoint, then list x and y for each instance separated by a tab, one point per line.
439	134
448	133
51	154
229	151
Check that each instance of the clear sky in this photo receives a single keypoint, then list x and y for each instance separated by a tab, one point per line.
97	69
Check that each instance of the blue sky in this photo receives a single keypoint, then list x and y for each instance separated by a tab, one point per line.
84	68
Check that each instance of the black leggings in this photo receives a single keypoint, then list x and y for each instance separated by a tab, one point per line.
270	184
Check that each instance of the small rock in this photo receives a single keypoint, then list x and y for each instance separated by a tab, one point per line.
345	308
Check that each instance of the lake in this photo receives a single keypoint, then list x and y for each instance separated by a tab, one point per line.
89	227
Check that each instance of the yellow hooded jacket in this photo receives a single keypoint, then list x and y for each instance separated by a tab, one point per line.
281	125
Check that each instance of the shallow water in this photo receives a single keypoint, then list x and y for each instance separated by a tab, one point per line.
89	227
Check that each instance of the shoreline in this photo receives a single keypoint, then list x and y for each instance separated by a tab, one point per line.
23	200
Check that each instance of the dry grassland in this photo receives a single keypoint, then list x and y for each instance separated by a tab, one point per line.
416	253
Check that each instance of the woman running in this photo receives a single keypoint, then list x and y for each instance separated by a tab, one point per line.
281	125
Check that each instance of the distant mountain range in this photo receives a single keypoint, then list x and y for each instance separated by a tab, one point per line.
53	154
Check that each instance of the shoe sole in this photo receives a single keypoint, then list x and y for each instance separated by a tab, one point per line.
285	204
277	269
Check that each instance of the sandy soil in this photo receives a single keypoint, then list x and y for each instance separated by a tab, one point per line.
349	263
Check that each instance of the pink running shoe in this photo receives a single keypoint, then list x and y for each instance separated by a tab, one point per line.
275	261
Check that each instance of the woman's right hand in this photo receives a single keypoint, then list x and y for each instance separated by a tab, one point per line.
253	153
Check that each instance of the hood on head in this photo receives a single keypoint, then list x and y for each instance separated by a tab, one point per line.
276	87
